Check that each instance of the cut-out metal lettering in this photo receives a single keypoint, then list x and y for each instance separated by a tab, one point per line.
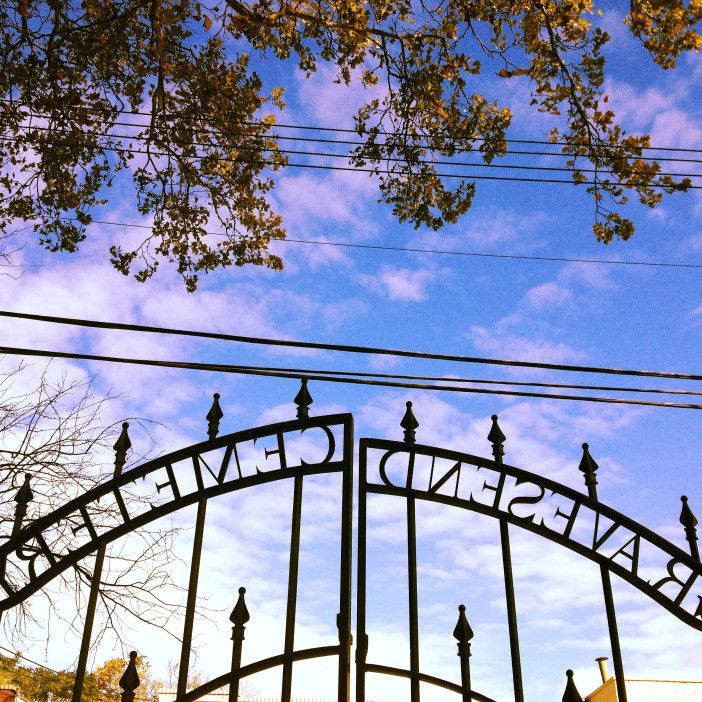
29	547
525	500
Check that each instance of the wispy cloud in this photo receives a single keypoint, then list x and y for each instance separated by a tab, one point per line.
548	295
503	343
400	283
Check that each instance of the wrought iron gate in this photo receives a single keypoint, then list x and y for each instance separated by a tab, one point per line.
403	470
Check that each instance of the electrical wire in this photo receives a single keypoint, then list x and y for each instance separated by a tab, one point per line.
317	140
346	348
348	156
342	130
445	252
29	660
314	375
475	381
372	171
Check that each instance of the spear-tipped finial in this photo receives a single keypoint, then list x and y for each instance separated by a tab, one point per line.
571	693
462	633
689	522
130	679
497	438
303	400
213	417
240	615
122	445
22	498
589	468
409	423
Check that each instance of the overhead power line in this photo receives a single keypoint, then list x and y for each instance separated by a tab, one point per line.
29	660
372	171
477	381
309	140
444	252
348	156
334	378
319	128
346	348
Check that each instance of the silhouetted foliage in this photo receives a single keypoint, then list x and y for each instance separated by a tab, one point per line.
203	150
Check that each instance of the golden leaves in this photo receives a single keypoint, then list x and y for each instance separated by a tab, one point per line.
206	154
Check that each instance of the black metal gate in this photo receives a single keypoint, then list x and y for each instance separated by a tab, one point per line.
403	470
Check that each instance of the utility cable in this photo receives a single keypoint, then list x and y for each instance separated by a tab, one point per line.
444	252
313	375
346	348
29	660
475	381
342	130
347	156
407	172
314	140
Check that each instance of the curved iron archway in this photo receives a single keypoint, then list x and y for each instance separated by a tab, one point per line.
405	470
521	498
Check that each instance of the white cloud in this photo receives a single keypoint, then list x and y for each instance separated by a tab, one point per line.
675	128
548	295
659	113
305	198
596	277
635	108
400	283
504	344
330	103
493	226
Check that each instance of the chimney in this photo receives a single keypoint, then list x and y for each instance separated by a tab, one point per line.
602	662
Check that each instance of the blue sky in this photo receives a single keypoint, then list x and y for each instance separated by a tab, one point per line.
558	312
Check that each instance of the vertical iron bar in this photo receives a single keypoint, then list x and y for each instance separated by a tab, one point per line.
238	617
362	643
88	627
511	612
236	666
292	590
589	467
344	619
192	598
497	438
613	634
412	582
466	692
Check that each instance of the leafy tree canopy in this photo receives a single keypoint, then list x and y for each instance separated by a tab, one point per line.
70	70
102	685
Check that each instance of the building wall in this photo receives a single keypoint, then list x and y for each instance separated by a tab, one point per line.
650	691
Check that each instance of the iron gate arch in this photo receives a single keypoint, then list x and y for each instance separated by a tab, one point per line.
402	469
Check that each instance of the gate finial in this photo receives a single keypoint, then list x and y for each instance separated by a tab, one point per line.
497	438
240	614
409	423
589	468
464	634
122	445
238	617
303	400
130	679
689	521
571	693
213	417
22	498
